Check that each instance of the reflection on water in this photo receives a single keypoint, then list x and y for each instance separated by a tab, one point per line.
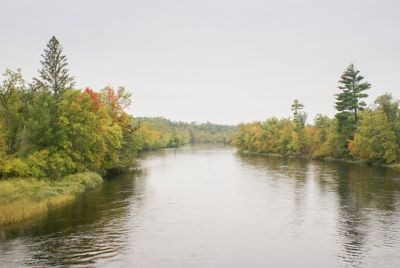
212	207
367	204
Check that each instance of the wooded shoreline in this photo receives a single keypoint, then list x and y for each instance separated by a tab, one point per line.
395	166
55	139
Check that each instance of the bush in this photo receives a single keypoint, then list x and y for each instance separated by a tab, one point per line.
14	167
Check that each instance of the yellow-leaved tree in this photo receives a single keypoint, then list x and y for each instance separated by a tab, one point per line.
374	138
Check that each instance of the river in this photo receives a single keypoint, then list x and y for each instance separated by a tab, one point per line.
208	206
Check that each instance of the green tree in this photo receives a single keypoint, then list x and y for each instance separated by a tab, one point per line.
90	137
299	117
391	109
333	144
11	106
54	73
132	143
349	101
43	131
296	107
389	106
322	124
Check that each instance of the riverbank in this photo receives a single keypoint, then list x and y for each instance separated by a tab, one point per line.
350	161
24	198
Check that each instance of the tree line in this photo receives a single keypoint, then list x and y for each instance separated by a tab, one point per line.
159	132
50	129
356	132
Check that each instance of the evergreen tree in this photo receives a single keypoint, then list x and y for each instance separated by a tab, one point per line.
296	107
54	73
299	117
349	101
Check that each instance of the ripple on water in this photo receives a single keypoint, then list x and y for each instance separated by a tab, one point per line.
202	206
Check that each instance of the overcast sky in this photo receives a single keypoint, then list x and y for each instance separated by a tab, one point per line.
224	61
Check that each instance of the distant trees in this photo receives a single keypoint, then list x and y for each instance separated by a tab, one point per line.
275	136
160	133
358	132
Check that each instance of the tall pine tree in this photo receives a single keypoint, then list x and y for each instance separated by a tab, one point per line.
299	117
296	107
349	101
54	72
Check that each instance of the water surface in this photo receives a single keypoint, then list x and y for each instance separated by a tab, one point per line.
207	206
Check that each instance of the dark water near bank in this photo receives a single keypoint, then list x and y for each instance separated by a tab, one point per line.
211	207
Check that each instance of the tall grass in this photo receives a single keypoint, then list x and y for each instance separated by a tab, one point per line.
24	198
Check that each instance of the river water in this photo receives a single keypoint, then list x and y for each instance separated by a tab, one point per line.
208	206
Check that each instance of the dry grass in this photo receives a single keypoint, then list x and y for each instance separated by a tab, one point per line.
24	198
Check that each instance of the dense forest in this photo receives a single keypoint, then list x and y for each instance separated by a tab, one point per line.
357	132
50	129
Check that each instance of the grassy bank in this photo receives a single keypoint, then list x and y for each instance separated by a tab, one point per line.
394	166
24	198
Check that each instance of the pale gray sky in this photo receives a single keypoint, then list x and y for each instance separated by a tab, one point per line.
225	61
